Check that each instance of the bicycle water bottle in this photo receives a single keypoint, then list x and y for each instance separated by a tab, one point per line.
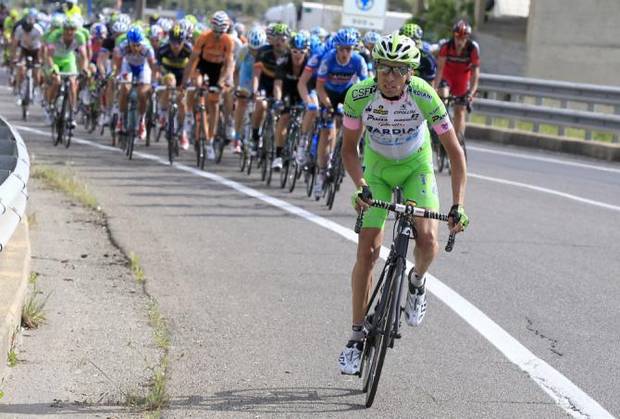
315	144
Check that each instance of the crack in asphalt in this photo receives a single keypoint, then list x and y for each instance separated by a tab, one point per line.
553	342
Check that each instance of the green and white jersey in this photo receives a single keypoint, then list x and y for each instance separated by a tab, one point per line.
60	47
395	129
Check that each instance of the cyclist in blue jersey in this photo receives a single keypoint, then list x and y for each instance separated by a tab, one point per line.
307	90
339	70
243	79
369	41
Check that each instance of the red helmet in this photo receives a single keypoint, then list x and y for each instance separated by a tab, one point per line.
461	28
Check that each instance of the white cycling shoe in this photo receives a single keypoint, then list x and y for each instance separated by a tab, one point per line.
350	358
415	308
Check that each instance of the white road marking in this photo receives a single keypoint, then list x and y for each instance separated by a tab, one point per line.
562	390
546	190
545	159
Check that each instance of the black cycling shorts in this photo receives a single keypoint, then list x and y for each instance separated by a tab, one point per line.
212	70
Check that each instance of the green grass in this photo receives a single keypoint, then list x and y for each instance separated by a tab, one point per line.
157	396
12	358
547	129
32	219
33	314
33	278
66	181
136	268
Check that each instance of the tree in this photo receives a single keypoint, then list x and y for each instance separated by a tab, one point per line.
440	15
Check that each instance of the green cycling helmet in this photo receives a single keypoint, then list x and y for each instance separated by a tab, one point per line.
280	29
412	30
397	48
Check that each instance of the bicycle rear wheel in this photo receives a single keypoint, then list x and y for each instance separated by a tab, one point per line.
309	178
293	175
170	130
69	128
375	356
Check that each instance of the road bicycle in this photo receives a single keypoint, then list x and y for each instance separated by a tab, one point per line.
382	319
27	87
266	150
171	127
199	130
245	157
130	119
440	156
291	170
62	116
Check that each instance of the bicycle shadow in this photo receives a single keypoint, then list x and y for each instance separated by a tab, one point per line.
274	400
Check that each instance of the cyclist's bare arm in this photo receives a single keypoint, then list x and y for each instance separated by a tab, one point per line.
350	157
83	60
256	77
102	58
277	89
441	64
191	66
302	86
475	76
457	162
118	59
154	67
323	98
227	70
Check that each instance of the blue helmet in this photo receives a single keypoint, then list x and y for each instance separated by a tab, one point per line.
329	44
345	38
299	41
135	35
316	46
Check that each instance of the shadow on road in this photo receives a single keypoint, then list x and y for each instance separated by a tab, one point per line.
275	400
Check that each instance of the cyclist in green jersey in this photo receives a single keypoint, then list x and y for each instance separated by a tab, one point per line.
394	109
61	47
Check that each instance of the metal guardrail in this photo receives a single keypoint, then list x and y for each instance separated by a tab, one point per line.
504	96
14	173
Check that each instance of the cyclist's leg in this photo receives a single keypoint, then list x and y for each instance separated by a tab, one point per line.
52	91
281	130
421	187
20	67
213	100
242	105
458	89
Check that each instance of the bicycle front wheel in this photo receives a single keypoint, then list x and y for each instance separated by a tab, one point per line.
378	344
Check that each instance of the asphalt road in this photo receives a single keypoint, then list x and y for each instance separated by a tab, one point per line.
258	299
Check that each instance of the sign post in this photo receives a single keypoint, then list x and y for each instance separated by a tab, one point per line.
365	14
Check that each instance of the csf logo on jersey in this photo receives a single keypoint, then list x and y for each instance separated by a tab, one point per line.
363	92
380	110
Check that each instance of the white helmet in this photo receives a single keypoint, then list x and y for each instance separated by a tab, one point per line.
164	23
256	37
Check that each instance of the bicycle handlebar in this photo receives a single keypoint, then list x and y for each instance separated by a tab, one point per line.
407	209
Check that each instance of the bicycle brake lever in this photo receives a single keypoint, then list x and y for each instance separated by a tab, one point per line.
450	244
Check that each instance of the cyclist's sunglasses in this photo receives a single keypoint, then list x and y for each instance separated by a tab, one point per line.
401	70
298	51
344	48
